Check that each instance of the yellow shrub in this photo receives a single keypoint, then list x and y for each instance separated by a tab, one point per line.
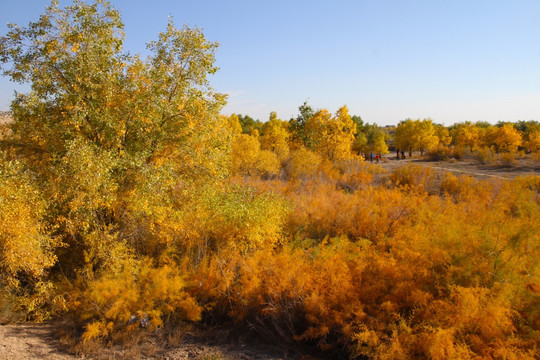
244	219
139	296
414	176
391	274
303	163
485	156
507	159
267	163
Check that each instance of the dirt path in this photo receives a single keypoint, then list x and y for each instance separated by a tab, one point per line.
473	173
523	167
28	342
38	342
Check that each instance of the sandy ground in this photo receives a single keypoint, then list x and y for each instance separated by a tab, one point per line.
29	341
523	167
38	341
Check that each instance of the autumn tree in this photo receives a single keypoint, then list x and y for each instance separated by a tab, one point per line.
416	135
370	138
426	136
332	137
467	135
26	247
533	142
118	145
233	124
297	125
443	135
275	137
505	138
360	144
249	124
529	130
249	159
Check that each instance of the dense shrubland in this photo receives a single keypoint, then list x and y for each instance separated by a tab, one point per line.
129	204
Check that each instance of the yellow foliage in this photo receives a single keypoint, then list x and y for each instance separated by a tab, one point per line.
413	176
268	163
234	123
505	138
303	163
138	296
244	219
245	152
126	161
276	138
26	250
249	159
533	142
407	275
417	135
331	137
468	135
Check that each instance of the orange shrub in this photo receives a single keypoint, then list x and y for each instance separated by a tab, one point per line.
302	163
412	176
385	273
138	296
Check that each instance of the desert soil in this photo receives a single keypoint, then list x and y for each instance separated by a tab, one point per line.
29	341
39	341
523	167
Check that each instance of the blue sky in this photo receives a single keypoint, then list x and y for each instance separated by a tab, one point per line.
387	60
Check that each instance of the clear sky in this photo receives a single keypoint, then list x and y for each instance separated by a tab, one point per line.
387	60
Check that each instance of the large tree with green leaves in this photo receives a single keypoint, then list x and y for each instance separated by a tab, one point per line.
119	146
298	124
84	86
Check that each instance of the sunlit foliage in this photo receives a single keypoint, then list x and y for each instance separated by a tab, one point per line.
26	247
504	139
127	202
394	271
416	135
248	158
468	135
332	137
114	143
370	138
275	137
533	142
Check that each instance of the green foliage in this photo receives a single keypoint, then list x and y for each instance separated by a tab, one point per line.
249	125
298	125
370	138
